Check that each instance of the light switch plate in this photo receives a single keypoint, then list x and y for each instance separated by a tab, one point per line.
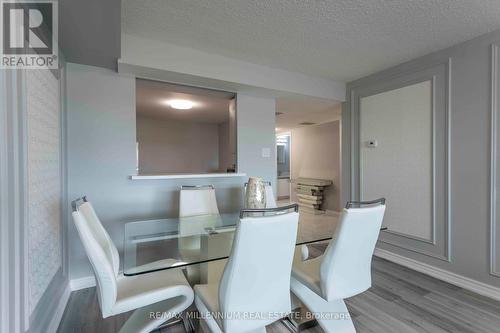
266	152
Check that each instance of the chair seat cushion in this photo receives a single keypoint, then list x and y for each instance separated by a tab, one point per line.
307	272
140	290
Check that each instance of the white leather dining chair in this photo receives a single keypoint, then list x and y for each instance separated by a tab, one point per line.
270	200
271	203
344	270
254	289
197	200
166	291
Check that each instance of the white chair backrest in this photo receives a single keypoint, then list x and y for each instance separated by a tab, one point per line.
270	201
197	201
346	265
256	278
102	254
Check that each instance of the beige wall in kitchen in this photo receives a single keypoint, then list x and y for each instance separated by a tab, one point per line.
315	153
168	146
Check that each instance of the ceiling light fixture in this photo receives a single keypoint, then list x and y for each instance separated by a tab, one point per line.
181	104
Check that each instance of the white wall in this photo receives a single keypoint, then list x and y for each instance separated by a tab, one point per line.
169	146
175	63
256	132
101	153
315	153
101	156
400	167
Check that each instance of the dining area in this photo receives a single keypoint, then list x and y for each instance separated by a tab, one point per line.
238	271
246	166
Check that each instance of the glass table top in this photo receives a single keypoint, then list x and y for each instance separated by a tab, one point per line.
153	245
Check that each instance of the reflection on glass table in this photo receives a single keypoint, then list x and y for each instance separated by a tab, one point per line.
153	245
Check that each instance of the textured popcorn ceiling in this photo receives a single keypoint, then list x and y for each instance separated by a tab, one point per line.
342	40
296	110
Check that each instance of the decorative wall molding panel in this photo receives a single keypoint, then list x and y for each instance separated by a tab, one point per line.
4	211
399	164
44	181
494	229
438	245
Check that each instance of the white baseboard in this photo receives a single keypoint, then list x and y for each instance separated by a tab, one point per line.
82	283
58	313
75	284
441	274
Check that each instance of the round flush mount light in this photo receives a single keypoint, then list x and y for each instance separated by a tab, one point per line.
181	104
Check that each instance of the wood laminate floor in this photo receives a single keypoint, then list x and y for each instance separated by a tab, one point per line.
401	300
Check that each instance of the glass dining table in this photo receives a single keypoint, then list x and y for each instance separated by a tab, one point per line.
153	245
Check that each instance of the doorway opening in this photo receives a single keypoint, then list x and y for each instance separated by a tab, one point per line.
283	146
308	153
